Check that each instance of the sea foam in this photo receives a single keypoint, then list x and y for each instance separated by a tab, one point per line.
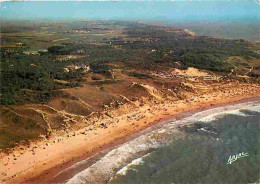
119	160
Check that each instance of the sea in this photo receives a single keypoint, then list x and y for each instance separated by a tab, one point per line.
230	19
219	145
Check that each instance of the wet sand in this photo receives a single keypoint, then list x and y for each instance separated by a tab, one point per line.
45	159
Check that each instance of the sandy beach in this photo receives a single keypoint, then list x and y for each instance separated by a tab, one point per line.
41	161
85	93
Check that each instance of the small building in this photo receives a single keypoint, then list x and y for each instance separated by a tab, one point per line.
85	68
31	53
66	70
42	51
19	44
69	57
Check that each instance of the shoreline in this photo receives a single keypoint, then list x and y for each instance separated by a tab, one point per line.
67	153
93	165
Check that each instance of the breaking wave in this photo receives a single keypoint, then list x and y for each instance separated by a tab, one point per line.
122	159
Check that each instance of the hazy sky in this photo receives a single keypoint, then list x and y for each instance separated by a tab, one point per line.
177	10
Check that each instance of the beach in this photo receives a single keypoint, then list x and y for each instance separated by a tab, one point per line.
129	92
200	143
50	157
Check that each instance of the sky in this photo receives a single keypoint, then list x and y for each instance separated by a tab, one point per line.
167	10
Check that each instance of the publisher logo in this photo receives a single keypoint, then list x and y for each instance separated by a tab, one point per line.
233	158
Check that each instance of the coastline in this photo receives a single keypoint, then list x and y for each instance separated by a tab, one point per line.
116	163
48	162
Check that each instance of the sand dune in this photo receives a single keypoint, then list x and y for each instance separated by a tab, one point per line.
42	160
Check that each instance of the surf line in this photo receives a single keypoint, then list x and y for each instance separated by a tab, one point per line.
237	156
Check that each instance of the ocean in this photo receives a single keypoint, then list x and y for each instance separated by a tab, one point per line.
236	19
221	29
219	145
